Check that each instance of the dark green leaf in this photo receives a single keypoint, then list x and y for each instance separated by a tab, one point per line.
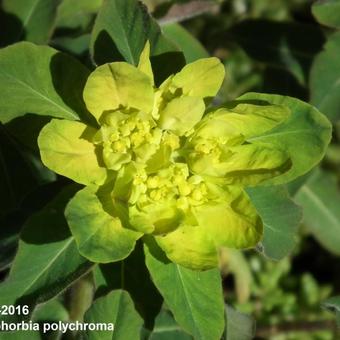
31	20
281	218
327	12
320	198
47	260
325	79
121	30
116	308
195	298
40	80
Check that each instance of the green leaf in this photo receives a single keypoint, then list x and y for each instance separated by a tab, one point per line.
181	114
333	304
282	44
195	298
47	260
325	79
327	12
304	136
281	218
40	80
185	41
166	328
75	14
97	229
31	20
320	198
116	308
121	30
66	147
239	326
131	275
115	85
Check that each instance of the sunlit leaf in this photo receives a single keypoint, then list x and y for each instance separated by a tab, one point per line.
32	80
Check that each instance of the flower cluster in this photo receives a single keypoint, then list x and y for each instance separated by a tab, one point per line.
157	164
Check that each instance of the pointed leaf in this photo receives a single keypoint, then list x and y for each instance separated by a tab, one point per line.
116	308
144	63
40	80
121	30
195	298
281	218
49	249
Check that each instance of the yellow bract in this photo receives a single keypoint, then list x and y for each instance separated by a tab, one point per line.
66	147
168	171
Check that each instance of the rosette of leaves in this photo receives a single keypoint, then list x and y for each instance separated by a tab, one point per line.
156	167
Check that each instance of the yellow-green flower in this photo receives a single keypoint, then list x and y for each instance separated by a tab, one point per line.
137	122
189	217
154	166
224	144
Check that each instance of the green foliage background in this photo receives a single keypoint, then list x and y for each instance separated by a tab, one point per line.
277	47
